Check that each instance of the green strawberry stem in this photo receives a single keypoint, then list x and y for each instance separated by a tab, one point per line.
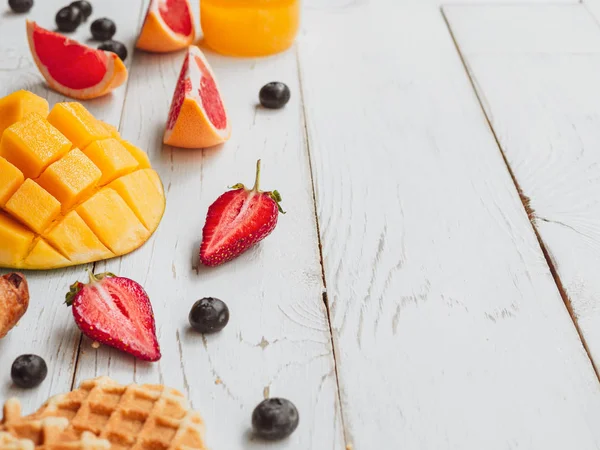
275	195
257	179
78	286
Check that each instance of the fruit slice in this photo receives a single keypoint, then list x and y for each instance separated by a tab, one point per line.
74	69
117	312
54	208
237	220
197	117
169	26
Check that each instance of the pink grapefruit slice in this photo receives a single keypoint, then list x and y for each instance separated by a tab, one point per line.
73	69
197	118
169	26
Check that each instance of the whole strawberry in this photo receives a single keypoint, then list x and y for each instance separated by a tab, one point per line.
117	312
237	220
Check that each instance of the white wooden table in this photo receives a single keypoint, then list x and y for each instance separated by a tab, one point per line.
436	282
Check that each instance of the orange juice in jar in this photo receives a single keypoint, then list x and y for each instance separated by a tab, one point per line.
249	27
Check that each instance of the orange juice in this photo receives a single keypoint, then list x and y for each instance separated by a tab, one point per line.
249	27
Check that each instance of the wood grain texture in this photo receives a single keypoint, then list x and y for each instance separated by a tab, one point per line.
549	130
278	340
449	330
48	328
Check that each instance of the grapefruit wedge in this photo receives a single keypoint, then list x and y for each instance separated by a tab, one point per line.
73	69
197	117
169	26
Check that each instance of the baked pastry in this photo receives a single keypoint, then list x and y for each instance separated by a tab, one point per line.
14	300
104	415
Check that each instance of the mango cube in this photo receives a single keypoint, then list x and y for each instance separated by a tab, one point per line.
112	158
113	221
32	145
18	105
143	192
43	254
111	129
55	208
74	238
140	155
10	180
33	205
77	124
15	239
71	178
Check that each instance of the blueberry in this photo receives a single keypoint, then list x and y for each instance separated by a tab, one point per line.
69	18
209	315
274	95
28	371
20	6
103	29
115	47
275	418
85	7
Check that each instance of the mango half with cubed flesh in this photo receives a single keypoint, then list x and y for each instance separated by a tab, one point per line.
71	190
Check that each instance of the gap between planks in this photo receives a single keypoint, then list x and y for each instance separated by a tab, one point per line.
320	244
524	199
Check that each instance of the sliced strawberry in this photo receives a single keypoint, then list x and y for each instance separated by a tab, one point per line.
117	312
237	220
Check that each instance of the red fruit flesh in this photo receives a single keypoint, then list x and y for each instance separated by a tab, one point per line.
211	100
184	86
116	311
177	16
235	222
73	65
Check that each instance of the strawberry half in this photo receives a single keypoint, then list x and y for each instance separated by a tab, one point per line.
237	220
117	312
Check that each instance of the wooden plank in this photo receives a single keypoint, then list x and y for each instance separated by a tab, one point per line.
449	330
548	128
48	328
278	340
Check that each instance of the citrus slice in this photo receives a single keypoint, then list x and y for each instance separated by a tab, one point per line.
169	26
73	69
197	117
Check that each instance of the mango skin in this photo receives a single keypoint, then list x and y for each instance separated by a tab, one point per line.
71	190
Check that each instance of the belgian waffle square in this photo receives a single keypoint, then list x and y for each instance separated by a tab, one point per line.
103	415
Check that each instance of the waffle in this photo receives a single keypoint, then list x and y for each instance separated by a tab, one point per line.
103	415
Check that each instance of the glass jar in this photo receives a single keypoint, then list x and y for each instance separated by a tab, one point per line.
249	27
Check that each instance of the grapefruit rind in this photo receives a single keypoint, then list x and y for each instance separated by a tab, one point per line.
157	37
115	76
191	127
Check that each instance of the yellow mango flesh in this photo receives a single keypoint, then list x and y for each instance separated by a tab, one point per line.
143	192
112	158
18	105
140	155
33	206
71	190
73	238
16	240
107	214
32	145
43	254
71	178
10	180
78	124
